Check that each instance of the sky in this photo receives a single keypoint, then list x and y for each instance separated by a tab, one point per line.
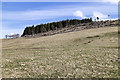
18	15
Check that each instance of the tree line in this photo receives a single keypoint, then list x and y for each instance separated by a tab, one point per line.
30	30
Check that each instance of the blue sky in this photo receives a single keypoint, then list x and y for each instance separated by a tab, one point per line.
17	15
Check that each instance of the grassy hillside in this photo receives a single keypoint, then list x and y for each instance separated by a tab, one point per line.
84	54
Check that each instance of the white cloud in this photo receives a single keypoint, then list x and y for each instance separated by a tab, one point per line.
100	15
79	14
57	12
110	19
33	15
111	1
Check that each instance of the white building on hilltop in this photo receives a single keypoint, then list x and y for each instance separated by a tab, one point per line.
12	36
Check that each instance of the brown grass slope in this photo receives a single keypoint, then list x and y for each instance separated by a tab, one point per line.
80	54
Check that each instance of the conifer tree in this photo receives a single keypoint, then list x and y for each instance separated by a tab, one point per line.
42	28
52	27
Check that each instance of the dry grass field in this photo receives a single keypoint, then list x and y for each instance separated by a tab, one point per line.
81	54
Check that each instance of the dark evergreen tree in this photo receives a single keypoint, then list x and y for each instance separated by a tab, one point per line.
98	18
53	26
59	25
48	27
37	29
67	22
33	29
42	28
